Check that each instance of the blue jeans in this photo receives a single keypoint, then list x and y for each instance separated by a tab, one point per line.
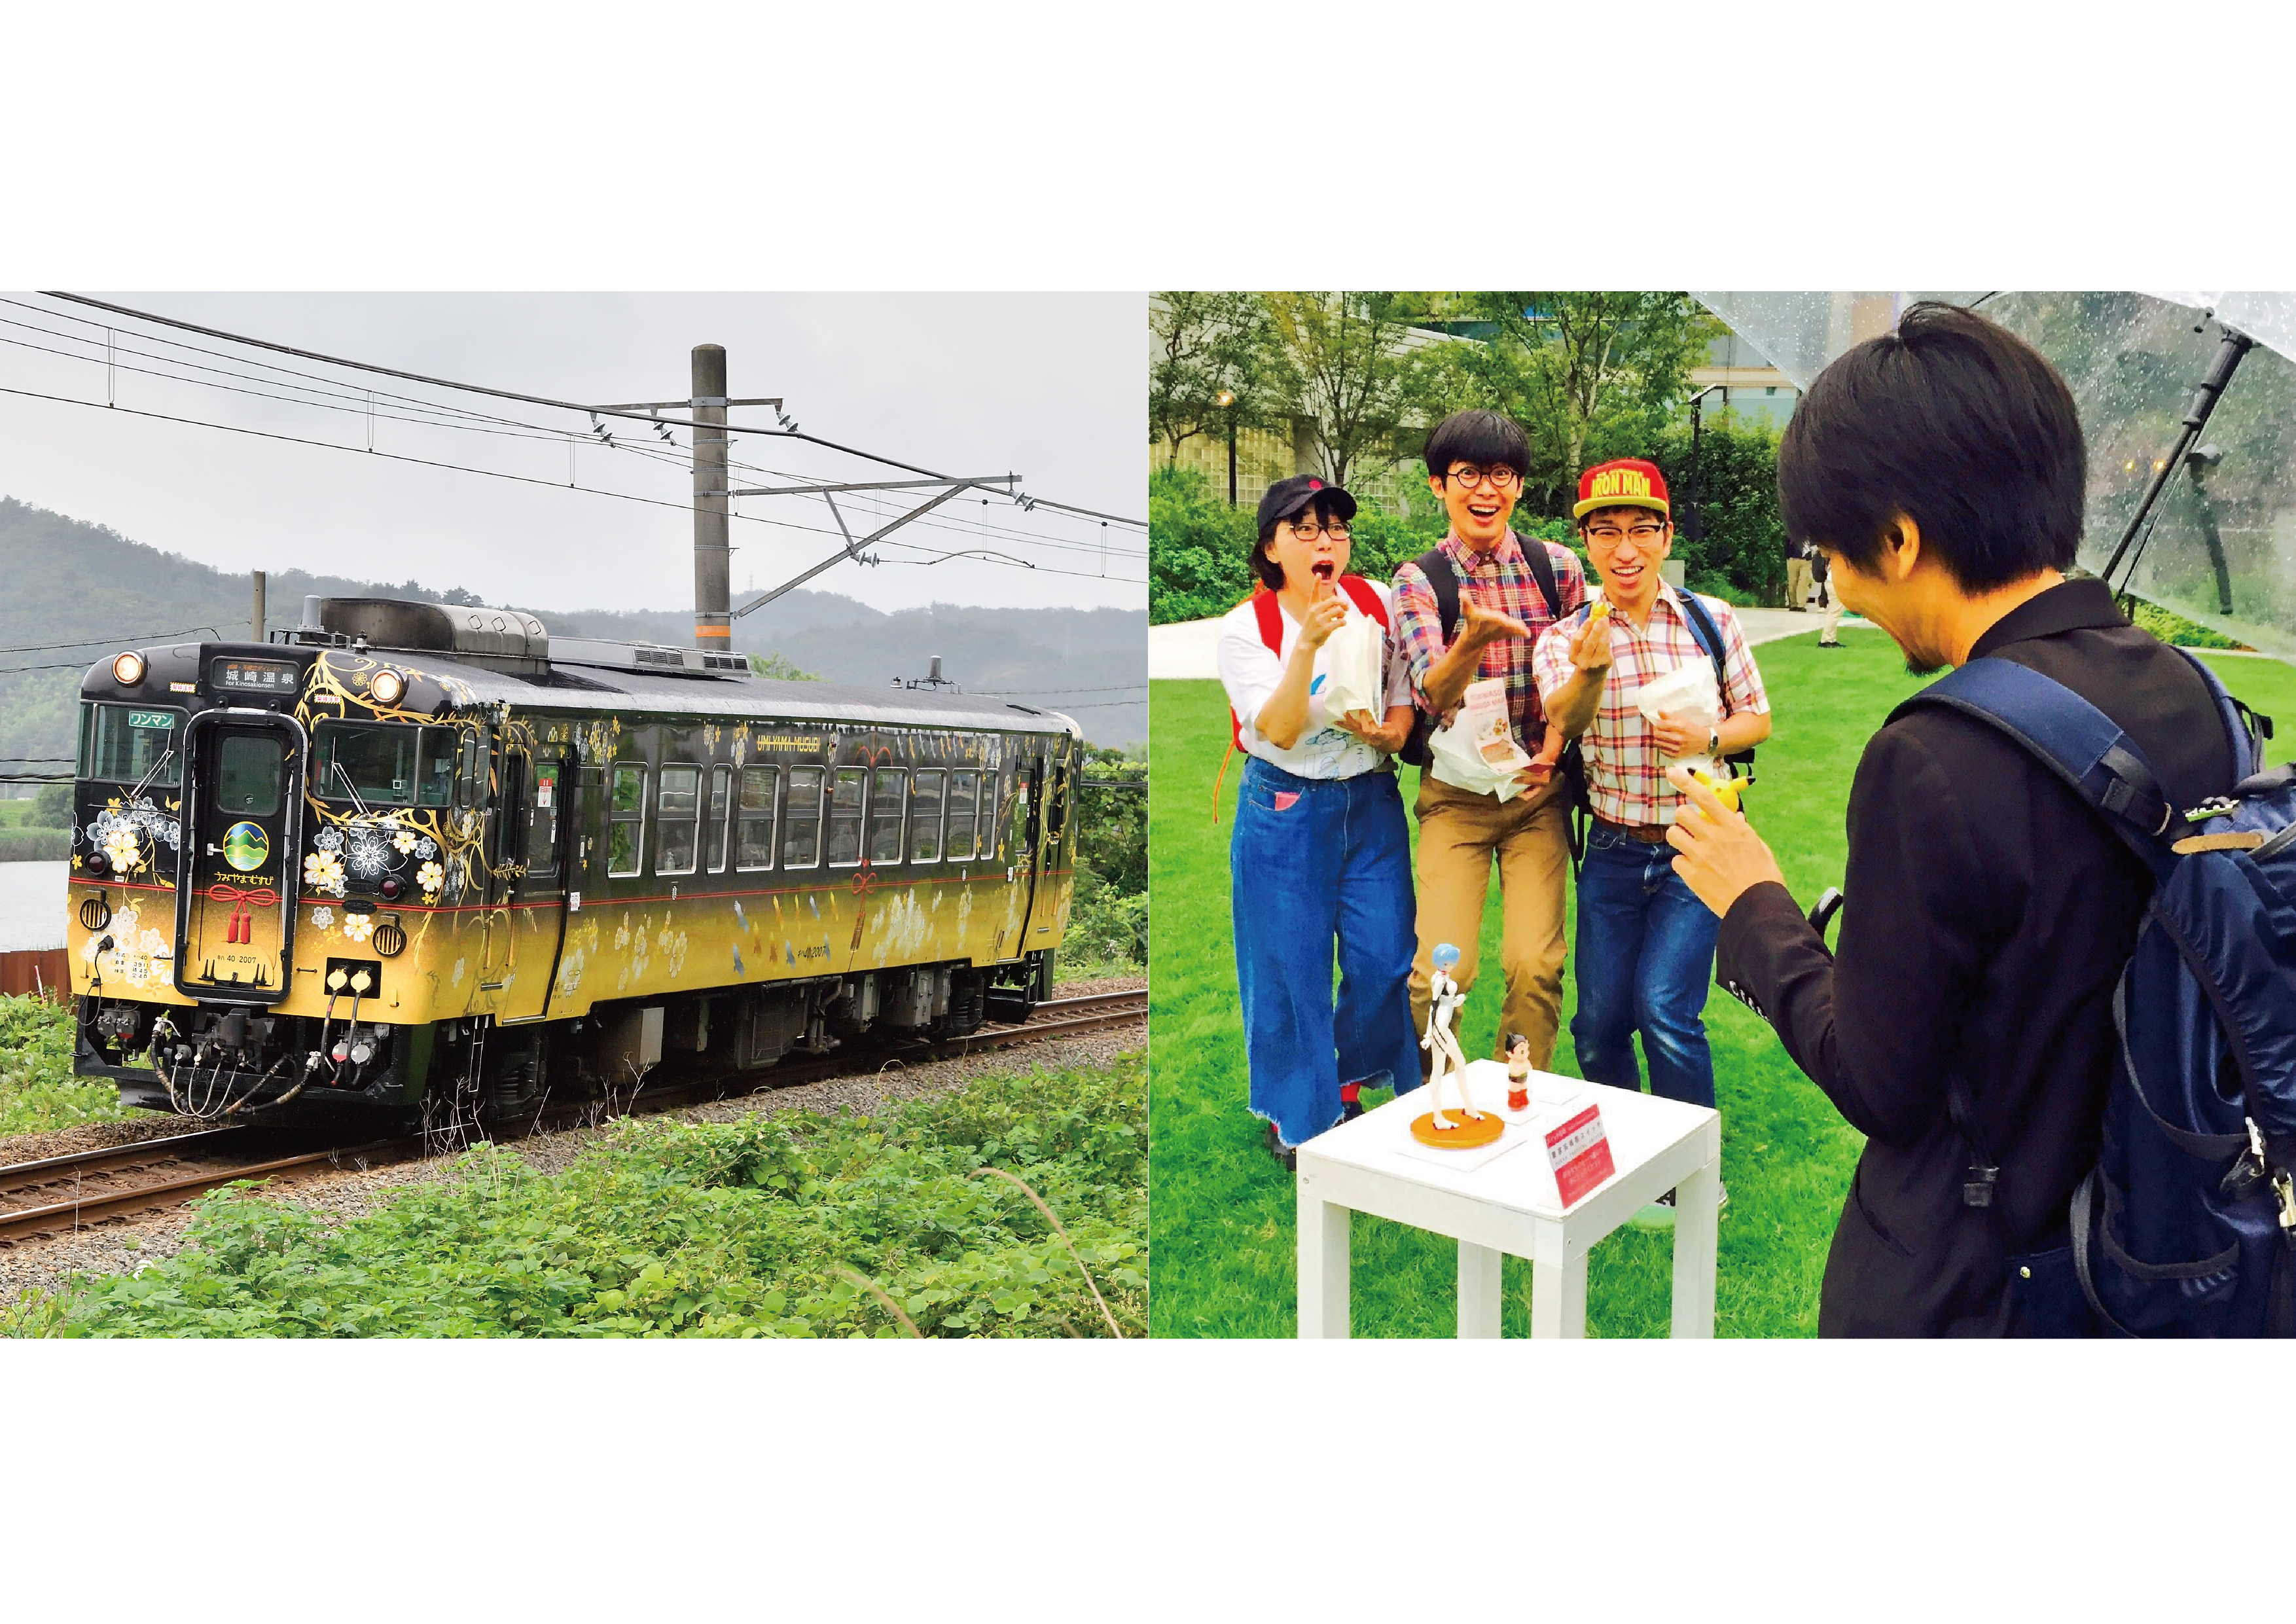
1315	861
1645	956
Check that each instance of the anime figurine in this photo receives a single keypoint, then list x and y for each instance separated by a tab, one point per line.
1517	1065
1443	1002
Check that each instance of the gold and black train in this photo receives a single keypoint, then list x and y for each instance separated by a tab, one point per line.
413	856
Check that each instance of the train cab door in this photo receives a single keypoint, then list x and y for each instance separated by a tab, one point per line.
236	887
539	847
1026	841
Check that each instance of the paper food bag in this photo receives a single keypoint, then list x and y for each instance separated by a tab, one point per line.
1686	694
1354	668
1476	752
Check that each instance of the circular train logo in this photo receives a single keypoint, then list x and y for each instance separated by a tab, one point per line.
246	847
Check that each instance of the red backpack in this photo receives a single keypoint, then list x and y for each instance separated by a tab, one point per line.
1270	614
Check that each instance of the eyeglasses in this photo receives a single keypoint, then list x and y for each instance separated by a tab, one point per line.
1644	536
1314	532
1497	479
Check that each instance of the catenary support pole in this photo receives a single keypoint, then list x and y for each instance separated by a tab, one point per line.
255	625
713	627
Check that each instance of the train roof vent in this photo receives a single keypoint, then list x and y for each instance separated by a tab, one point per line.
448	628
653	657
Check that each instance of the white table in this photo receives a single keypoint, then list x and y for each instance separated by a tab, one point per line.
1510	1204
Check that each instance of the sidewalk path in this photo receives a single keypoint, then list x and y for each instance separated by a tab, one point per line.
1190	648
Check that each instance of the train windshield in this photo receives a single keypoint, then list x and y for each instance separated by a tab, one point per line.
122	744
387	766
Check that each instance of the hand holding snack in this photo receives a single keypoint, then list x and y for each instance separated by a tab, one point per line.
1590	650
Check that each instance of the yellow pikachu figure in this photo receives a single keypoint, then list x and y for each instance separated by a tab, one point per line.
1727	791
1601	610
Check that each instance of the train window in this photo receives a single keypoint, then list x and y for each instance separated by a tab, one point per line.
676	812
542	819
889	802
625	836
474	779
721	799
1057	808
375	764
964	792
1024	788
924	815
434	772
249	768
801	836
753	845
843	838
122	744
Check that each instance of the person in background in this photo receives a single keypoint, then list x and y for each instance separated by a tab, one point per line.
1475	466
1798	575
1320	856
1646	941
1829	636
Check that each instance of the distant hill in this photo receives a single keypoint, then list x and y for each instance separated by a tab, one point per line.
63	579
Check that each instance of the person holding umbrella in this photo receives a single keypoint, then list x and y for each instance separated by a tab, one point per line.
1320	859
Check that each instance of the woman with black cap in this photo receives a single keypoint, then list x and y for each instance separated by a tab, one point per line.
1320	854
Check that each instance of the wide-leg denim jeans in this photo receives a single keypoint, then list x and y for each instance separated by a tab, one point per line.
1316	863
1645	959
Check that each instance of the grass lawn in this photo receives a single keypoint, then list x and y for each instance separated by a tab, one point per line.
1221	1209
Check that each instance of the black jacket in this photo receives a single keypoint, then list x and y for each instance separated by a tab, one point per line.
1989	914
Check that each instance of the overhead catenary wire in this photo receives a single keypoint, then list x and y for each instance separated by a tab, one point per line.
360	403
548	436
566	406
495	473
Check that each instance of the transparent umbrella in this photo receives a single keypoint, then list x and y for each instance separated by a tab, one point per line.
2218	542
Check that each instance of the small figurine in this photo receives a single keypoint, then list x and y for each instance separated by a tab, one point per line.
1444	999
1518	1064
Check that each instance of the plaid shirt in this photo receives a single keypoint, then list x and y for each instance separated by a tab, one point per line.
1499	580
1624	780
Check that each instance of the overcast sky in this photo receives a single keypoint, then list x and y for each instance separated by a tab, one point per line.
1049	386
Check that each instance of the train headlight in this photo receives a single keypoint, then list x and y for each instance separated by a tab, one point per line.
389	688
128	670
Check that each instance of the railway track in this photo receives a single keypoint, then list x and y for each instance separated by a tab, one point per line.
62	1194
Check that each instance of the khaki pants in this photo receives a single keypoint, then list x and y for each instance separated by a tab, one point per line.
1796	582
1459	835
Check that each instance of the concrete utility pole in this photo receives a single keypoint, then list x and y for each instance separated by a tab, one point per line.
713	620
255	632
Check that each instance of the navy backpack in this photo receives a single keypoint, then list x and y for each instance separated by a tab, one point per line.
2186	1225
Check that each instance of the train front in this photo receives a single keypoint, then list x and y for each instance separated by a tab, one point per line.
190	823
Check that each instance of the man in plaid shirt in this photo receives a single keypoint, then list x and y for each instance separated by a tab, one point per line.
1476	462
1645	942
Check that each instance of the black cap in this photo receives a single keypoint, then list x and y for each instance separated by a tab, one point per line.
1286	498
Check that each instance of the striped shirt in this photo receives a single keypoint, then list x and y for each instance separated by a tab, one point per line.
1626	781
1499	580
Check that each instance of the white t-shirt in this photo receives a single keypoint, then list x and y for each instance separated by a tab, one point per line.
1250	673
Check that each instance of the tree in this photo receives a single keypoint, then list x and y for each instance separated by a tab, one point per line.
1206	345
779	666
52	808
1349	372
1588	376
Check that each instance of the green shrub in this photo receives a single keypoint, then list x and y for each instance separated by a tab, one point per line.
754	1227
35	845
37	1089
1742	556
